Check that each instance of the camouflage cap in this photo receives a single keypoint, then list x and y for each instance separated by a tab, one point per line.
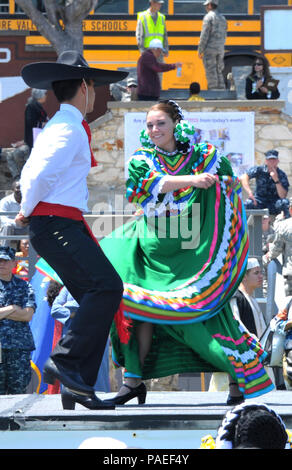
6	252
272	154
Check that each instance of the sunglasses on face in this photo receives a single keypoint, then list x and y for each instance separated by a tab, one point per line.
258	63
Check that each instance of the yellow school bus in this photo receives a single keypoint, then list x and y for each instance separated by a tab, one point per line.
110	42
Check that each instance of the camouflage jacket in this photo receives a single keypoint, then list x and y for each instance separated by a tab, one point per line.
16	334
213	34
282	244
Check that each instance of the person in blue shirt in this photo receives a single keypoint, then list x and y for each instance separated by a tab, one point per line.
17	306
271	186
64	308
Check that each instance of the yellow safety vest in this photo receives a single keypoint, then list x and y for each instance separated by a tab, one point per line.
152	30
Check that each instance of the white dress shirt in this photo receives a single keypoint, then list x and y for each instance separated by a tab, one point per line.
58	165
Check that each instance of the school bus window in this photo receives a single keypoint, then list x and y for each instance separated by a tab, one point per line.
142	5
38	3
197	7
4	6
259	3
234	8
189	7
111	6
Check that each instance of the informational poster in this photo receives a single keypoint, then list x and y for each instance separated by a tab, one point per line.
232	133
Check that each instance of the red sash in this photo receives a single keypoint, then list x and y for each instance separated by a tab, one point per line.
46	208
123	324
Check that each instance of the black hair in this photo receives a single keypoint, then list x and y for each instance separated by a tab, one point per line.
195	88
257	427
65	90
266	66
53	291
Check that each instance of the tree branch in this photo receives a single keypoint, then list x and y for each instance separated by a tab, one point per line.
62	24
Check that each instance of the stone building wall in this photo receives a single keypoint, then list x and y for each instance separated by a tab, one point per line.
273	129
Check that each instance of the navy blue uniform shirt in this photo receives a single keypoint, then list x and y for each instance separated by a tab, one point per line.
16	334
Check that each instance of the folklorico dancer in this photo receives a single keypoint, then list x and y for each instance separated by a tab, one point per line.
181	261
54	198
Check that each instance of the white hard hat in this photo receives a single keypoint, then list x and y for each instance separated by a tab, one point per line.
155	44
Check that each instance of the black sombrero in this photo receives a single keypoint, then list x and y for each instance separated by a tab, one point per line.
69	65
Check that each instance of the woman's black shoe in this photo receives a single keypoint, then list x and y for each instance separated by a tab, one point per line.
92	402
139	392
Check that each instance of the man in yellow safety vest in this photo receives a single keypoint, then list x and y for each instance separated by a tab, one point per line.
151	25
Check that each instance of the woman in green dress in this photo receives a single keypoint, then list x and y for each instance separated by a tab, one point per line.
181	260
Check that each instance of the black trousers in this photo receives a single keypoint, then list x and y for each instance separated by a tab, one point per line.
91	279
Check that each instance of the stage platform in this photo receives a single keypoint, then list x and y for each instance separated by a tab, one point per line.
169	420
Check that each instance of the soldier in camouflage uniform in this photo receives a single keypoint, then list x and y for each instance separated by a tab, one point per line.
17	305
271	186
211	45
282	245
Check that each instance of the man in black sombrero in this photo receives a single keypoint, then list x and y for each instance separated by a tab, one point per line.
54	197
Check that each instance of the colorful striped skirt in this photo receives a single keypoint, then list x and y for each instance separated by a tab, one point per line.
183	288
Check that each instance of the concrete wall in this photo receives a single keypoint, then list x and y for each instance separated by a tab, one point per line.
273	129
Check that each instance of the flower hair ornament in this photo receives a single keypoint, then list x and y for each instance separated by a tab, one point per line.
184	133
252	425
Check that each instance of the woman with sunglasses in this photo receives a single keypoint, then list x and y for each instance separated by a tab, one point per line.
259	84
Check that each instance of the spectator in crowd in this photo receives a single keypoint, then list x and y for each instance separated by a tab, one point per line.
21	268
63	309
130	93
16	157
271	186
211	45
252	426
125	93
268	234
260	85
148	69
35	118
195	92
282	323
17	305
282	245
11	203
35	115
245	305
151	25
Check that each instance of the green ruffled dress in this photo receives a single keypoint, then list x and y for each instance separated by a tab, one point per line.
181	260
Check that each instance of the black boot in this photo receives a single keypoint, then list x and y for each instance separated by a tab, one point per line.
91	401
69	378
